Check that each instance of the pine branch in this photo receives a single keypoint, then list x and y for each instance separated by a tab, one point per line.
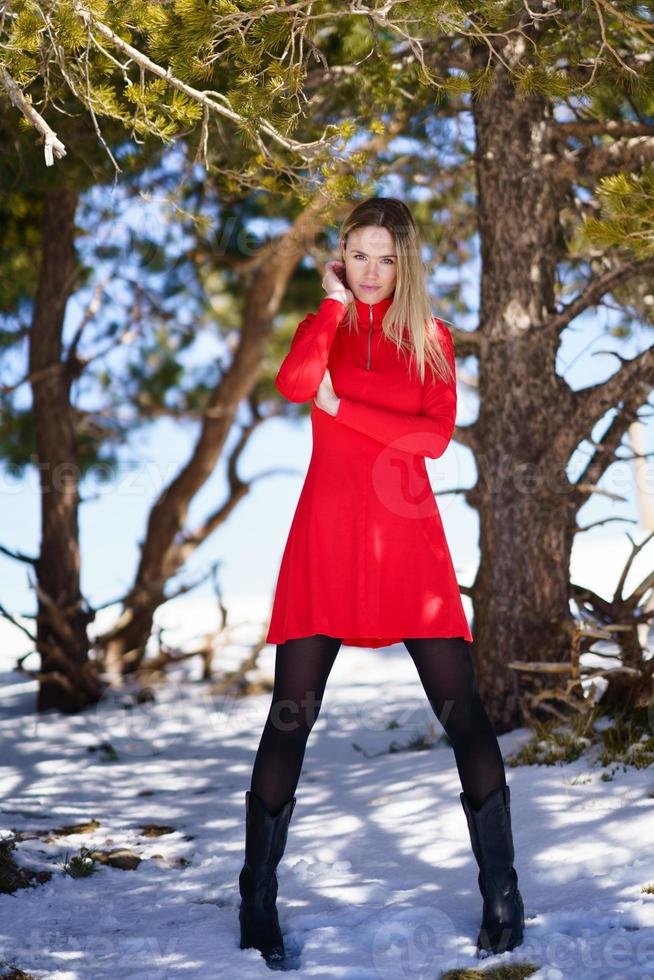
17	555
7	615
45	372
466	342
94	305
606	449
600	161
605	520
631	384
640	591
586	489
440	57
594	290
466	436
53	147
647	583
603	127
209	101
237	490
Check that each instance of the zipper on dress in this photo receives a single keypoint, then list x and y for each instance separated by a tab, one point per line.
369	337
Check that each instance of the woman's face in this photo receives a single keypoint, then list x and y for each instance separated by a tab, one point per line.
370	259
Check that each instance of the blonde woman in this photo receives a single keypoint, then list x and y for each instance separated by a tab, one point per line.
366	562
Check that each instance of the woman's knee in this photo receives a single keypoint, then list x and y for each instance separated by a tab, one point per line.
292	719
464	717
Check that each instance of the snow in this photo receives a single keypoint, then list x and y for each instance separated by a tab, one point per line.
378	879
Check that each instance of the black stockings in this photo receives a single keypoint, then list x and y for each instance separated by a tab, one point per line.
445	668
447	673
302	667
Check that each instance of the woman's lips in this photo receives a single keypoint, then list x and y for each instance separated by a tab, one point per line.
363	286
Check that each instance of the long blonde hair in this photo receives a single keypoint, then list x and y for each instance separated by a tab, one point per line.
409	321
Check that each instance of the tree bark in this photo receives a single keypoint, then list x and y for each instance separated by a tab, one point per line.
531	422
526	517
67	681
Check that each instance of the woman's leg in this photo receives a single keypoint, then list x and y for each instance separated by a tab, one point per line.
447	673
302	667
446	670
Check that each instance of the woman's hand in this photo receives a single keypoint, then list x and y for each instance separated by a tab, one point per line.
326	398
333	282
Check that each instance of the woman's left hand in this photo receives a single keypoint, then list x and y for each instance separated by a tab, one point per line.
326	398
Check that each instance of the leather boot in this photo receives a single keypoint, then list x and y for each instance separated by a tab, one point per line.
265	840
503	917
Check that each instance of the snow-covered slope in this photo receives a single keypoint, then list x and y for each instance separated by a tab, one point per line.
378	880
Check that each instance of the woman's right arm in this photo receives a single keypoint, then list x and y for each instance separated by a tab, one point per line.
303	368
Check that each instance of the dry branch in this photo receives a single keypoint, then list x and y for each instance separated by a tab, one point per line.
595	290
631	382
627	154
53	147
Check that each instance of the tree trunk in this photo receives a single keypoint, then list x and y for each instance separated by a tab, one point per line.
66	679
526	514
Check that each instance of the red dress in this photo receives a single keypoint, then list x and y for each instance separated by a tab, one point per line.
366	558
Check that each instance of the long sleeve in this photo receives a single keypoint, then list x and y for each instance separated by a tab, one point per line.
427	434
303	368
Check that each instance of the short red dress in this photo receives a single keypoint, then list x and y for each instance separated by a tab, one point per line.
366	559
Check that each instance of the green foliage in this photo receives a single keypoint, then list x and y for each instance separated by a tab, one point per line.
20	241
267	35
510	971
67	27
27	29
96	455
17	436
628	740
627	209
81	865
544	80
10	876
149	98
623	739
258	62
358	38
198	20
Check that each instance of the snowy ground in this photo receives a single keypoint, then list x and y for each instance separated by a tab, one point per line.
378	880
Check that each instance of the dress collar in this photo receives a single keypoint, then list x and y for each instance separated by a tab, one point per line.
378	311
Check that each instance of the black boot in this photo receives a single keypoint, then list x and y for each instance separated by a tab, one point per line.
503	917
265	840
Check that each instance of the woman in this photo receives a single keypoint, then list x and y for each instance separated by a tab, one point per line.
366	561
